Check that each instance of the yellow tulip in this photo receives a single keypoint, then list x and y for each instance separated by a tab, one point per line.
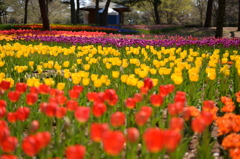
61	86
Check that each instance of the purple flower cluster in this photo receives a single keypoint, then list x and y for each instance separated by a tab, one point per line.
122	42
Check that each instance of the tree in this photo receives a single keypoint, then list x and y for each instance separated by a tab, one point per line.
220	18
3	10
73	12
96	12
174	9
155	5
201	5
208	18
77	12
104	14
44	14
238	15
26	11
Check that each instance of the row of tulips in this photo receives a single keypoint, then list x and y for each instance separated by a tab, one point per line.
123	42
52	33
102	67
49	123
66	27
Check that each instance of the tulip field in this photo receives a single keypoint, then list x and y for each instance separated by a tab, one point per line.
67	94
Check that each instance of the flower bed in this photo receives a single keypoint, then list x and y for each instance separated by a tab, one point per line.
117	98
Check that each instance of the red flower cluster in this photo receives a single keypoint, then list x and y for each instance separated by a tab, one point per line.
75	152
7	143
157	139
75	92
177	107
113	141
20	114
142	116
109	96
32	144
207	116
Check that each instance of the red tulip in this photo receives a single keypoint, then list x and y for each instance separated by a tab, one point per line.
34	90
207	117
186	114
44	89
156	100
176	124
22	113
71	105
138	97
3	103
75	152
61	112
5	156
34	126
61	99
148	83
113	142
53	92
42	107
97	130
154	139
111	97
78	88
13	96
180	97
31	98
2	112
132	135
21	87
50	109
198	125
30	146
141	118
163	91
117	119
12	117
82	114
3	123
208	105
144	90
92	96
5	85
74	94
170	88
4	133
43	139
130	103
173	138
175	108
100	98
9	144
147	110
99	109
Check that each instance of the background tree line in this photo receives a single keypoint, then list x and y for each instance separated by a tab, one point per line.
175	12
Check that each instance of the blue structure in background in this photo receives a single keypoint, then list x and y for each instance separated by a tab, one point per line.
113	19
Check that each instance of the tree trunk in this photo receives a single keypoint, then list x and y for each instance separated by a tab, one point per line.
104	15
208	19
78	12
96	12
26	12
220	18
156	3
44	14
73	12
238	15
